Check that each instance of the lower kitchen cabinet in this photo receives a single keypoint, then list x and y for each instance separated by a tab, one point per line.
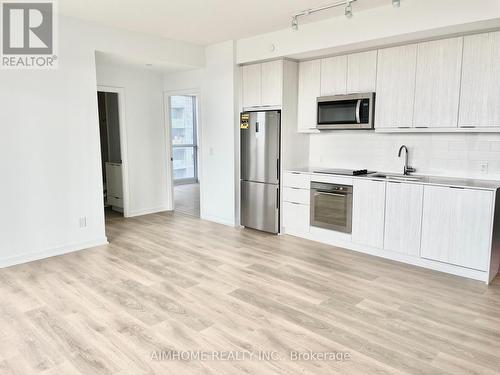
403	218
295	218
457	226
368	213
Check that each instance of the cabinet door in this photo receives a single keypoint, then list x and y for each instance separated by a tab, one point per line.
403	217
252	85
437	92
396	69
457	226
368	213
480	95
295	218
362	72
333	76
309	91
272	83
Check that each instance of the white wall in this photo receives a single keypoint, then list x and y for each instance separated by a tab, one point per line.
49	142
415	19
218	85
145	133
454	155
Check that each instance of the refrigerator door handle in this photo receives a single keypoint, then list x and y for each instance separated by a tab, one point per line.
278	169
277	198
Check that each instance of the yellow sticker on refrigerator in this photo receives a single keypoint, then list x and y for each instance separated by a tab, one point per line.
245	121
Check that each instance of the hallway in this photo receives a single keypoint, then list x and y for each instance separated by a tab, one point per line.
187	199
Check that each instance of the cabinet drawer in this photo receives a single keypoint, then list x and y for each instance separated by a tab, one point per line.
295	218
295	195
296	180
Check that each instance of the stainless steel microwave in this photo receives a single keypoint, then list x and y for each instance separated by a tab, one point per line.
352	111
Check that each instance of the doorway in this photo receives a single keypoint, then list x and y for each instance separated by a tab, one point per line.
184	131
112	150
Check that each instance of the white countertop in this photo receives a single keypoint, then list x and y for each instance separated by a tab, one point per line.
425	180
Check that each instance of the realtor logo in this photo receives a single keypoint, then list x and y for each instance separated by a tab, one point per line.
28	35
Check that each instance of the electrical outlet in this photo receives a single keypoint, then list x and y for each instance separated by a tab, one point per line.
83	222
484	167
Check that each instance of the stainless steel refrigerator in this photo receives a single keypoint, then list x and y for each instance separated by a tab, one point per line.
260	170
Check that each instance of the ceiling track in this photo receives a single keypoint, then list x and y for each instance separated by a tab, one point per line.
345	3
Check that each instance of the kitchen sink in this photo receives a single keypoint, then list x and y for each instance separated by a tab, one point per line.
400	177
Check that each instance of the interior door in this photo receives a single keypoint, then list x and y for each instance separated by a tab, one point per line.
260	147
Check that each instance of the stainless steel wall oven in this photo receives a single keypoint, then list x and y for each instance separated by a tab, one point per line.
331	206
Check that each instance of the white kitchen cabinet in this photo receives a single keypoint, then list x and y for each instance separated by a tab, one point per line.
272	83
296	180
480	91
252	85
403	217
457	226
396	69
361	72
437	91
334	76
295	195
295	218
309	91
368	213
262	84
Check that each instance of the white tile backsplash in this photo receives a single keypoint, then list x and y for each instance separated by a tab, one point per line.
455	155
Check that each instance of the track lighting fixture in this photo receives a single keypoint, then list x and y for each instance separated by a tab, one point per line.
347	10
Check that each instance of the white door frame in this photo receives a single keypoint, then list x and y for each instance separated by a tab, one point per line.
123	142
169	149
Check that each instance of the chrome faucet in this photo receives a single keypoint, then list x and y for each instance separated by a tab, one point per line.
407	169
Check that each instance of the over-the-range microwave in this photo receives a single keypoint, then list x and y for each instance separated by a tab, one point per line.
352	111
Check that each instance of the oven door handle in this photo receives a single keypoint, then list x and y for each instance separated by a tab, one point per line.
333	194
358	112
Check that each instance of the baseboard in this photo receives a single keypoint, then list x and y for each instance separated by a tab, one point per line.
147	211
48	253
399	257
218	220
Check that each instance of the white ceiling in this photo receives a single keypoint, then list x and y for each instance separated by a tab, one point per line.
202	21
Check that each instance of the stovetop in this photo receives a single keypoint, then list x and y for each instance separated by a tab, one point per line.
345	172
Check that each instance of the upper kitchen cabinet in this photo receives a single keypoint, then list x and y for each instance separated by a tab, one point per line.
272	83
262	84
309	91
437	91
251	76
361	72
396	69
334	76
480	95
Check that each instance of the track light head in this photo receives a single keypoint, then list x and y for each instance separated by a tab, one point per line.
348	9
295	23
396	3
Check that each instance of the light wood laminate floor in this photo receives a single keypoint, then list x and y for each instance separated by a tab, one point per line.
175	282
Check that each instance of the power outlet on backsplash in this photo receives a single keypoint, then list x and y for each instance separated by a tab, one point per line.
483	167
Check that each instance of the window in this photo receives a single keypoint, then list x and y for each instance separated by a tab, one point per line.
184	140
